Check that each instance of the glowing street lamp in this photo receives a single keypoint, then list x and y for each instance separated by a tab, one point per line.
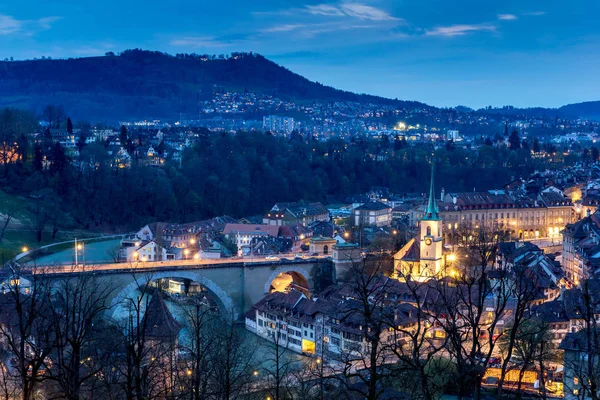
186	252
192	241
196	256
452	257
24	249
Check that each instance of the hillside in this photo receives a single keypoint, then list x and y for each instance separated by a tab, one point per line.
144	84
588	109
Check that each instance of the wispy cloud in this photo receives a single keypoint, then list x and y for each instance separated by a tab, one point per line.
283	28
10	25
507	17
355	10
200	41
325	9
367	12
459	30
46	22
535	13
311	30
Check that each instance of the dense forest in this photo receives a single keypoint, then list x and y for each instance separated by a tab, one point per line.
239	174
147	84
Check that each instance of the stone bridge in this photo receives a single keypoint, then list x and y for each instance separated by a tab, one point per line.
235	286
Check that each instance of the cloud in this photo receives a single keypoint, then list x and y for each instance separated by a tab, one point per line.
355	10
535	13
507	17
459	30
283	28
9	25
311	30
199	41
366	12
46	22
324	9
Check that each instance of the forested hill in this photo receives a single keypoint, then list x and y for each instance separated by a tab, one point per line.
146	84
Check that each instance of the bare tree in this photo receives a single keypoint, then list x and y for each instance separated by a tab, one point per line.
414	343
26	333
201	323
54	115
582	354
278	366
367	364
523	290
234	361
528	348
8	212
470	306
77	305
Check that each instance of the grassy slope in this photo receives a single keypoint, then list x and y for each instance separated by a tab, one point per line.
20	232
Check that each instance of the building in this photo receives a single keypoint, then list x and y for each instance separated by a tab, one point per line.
581	248
296	213
277	124
526	216
578	349
243	234
373	213
325	325
321	245
422	256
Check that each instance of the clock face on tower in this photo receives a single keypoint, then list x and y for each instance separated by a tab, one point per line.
428	241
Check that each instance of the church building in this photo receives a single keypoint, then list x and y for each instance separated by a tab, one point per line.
422	256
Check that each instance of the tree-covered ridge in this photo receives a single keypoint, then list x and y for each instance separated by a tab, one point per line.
146	84
239	174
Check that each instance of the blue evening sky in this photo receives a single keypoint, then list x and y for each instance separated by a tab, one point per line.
442	52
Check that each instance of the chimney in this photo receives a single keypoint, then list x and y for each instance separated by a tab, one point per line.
454	198
443	193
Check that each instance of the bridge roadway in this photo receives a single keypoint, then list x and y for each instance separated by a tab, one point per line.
235	283
168	264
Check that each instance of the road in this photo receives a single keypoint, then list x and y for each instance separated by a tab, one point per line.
153	265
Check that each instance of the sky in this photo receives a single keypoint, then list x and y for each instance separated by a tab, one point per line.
442	52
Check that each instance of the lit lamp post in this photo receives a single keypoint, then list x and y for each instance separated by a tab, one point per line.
451	258
24	249
302	237
186	252
78	248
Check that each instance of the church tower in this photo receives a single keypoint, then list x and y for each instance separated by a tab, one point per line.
431	237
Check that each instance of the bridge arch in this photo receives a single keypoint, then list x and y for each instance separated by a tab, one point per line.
297	273
224	301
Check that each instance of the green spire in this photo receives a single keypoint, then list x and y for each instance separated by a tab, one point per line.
432	212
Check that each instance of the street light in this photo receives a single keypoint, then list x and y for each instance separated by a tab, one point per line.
186	252
452	257
196	256
24	249
192	241
255	373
